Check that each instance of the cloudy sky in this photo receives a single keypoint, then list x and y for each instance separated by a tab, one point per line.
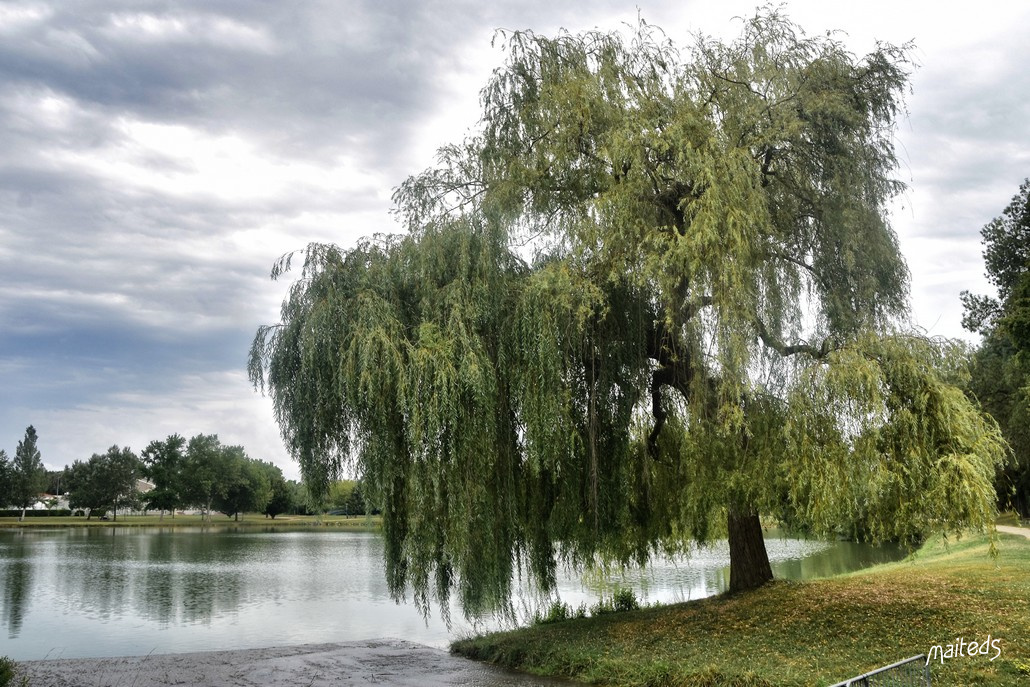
157	157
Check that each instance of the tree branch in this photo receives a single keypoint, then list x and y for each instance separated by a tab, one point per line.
673	370
786	350
694	308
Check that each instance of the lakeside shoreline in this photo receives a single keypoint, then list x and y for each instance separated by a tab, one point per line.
385	661
800	634
371	523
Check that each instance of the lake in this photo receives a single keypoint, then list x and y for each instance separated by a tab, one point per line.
85	592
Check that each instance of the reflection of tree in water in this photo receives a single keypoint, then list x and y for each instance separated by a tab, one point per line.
89	574
157	597
845	556
705	571
208	594
15	571
191	579
158	576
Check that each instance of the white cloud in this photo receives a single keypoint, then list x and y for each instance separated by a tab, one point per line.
189	28
16	18
187	162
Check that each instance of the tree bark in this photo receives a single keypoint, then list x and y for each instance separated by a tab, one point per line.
749	561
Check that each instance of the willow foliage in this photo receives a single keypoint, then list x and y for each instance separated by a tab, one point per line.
655	287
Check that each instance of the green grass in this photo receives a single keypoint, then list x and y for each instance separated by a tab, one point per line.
256	520
810	633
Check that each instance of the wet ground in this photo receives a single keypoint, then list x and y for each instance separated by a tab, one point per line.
383	662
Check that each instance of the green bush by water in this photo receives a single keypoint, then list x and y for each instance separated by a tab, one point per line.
623	600
8	673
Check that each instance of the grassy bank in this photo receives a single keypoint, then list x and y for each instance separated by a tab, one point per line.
256	520
811	633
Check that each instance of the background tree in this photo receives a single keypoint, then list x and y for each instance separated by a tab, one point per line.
1000	377
346	496
5	479
338	494
163	465
28	476
243	484
82	486
107	481
300	499
55	482
355	503
202	471
707	329
281	496
122	469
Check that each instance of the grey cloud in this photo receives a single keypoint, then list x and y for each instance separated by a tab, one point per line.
967	137
333	75
327	76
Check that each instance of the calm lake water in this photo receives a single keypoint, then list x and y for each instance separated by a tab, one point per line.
84	592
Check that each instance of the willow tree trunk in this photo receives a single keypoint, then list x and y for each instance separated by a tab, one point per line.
749	561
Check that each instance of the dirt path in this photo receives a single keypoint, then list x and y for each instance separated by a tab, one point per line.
384	662
1009	529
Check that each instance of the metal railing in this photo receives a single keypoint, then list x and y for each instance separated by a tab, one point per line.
912	672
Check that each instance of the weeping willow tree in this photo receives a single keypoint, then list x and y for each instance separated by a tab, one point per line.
652	298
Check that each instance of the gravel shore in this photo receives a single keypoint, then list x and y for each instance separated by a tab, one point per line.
383	662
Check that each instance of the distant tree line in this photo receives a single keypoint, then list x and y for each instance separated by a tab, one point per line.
199	473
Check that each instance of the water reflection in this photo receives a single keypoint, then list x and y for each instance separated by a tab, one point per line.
155	576
16	572
704	570
131	591
841	557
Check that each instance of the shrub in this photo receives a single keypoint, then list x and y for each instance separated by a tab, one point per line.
557	612
16	513
625	600
602	607
7	672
